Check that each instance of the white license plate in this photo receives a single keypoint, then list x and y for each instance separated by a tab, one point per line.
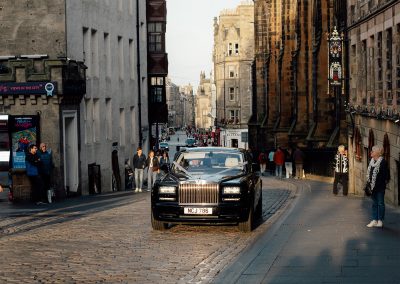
197	211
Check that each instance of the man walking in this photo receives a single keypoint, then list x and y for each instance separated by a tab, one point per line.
46	169
341	170
32	163
139	163
279	159
298	158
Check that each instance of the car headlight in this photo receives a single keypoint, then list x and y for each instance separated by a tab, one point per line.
167	189
231	190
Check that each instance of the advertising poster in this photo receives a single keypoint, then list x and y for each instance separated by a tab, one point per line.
24	130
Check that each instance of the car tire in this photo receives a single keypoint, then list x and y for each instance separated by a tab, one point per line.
247	226
258	213
158	225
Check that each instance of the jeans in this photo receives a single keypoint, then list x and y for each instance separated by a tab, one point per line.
299	170
378	205
151	178
278	171
289	169
262	168
139	178
343	178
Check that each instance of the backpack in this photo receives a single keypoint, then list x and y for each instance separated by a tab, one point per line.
263	159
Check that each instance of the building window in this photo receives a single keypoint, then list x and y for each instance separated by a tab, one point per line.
132	59
120	57
107	54
231	94
108	119
156	89
155	36
122	127
389	64
230	49
94	53
96	120
86	51
236	49
233	117
232	71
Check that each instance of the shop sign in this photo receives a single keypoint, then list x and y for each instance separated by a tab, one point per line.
29	88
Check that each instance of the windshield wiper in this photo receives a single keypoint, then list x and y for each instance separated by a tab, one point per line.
183	169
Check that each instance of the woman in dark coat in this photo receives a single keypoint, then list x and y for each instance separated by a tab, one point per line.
378	177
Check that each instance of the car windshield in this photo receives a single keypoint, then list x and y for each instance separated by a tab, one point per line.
209	162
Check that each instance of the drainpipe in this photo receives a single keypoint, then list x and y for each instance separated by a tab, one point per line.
139	73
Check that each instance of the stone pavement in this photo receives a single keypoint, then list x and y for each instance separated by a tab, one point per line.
108	239
320	238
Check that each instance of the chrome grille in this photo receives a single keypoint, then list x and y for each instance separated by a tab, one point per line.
198	193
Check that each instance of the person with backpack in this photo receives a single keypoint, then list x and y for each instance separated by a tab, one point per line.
262	160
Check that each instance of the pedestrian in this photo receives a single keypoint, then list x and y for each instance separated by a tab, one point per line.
32	163
341	170
164	160
279	160
271	163
46	169
289	162
378	176
298	158
153	168
139	163
262	160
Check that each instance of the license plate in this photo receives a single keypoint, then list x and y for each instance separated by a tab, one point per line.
197	211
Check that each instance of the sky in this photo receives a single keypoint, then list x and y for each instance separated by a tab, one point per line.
189	37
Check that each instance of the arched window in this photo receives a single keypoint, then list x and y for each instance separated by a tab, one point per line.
386	148
357	144
371	140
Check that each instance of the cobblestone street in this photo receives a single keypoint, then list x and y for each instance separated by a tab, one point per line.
111	240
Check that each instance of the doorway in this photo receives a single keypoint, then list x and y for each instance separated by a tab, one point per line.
235	143
71	156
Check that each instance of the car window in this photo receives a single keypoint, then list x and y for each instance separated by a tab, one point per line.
209	162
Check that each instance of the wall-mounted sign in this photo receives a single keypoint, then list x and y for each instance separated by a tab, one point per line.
28	88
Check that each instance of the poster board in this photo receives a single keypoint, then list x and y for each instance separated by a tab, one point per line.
24	130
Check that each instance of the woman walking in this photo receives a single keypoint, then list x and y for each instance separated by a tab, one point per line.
378	176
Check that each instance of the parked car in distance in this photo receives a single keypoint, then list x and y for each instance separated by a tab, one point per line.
163	146
209	185
191	142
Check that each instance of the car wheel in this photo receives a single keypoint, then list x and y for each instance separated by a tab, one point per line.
258	213
247	226
158	225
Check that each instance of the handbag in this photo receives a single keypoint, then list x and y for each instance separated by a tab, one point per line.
368	189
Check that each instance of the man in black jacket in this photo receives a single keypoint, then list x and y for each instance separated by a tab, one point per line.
139	163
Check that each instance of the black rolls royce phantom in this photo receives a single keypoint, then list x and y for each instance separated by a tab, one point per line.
209	185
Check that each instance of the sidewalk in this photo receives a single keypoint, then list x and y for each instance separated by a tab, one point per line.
320	238
26	208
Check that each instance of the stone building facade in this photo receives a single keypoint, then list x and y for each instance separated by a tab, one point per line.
91	121
188	105
374	84
233	56
203	103
173	102
291	103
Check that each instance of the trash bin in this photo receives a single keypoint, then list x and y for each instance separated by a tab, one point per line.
94	178
21	186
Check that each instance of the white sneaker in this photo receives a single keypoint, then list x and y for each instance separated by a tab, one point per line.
140	190
136	190
379	224
371	224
